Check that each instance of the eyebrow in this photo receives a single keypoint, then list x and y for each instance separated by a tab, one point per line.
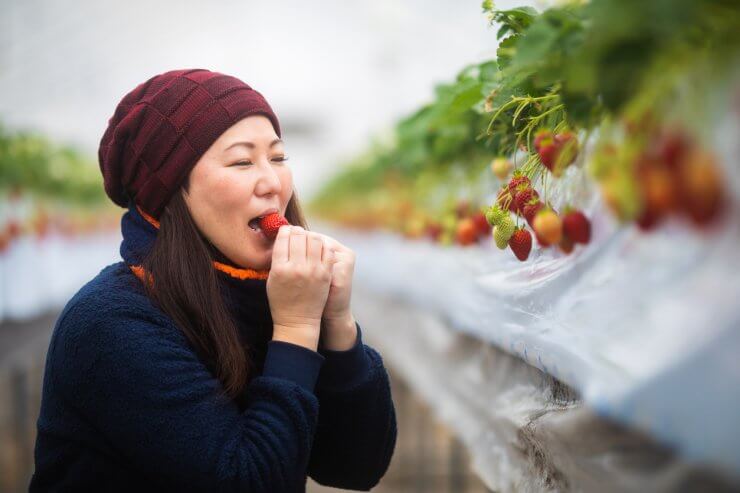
251	145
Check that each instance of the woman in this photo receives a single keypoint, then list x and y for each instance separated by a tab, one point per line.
213	358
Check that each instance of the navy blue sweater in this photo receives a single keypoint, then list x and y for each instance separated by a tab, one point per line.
127	405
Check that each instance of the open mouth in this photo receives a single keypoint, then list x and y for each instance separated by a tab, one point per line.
255	223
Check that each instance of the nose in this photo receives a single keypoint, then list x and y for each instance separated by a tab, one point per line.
268	181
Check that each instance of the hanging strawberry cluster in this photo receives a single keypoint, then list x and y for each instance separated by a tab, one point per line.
653	173
556	152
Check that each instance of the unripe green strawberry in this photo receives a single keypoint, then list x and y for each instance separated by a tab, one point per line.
449	222
495	214
446	238
506	226
500	239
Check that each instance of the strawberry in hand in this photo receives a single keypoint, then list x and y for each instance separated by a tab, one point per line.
270	224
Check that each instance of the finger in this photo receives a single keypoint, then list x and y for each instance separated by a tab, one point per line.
297	244
314	247
331	242
328	256
281	247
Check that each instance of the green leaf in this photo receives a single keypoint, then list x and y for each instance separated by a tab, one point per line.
506	51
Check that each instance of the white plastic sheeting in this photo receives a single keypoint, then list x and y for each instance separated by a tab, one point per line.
525	431
38	275
630	321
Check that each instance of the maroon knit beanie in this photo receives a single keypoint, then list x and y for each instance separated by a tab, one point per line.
161	128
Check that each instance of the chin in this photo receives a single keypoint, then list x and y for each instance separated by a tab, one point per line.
254	264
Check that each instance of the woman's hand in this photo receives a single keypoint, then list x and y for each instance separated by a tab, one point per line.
298	285
339	331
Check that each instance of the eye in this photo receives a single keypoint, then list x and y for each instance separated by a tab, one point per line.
241	162
281	159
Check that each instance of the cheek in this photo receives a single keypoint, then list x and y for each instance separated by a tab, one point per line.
286	181
226	190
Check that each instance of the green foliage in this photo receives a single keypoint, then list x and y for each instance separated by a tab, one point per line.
573	66
30	162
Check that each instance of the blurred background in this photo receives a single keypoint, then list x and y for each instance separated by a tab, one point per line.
562	372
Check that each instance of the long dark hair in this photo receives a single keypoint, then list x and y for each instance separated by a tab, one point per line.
186	289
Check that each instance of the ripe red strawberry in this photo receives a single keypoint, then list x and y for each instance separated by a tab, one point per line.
702	187
541	137
548	155
4	241
466	232
558	152
564	138
670	147
13	228
271	223
566	245
481	223
577	227
517	181
523	196
433	230
521	243
530	211
647	221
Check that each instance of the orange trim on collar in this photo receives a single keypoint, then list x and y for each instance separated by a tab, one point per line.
139	272
149	218
242	273
235	272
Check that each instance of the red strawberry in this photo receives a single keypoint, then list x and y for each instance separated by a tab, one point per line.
521	243
531	209
523	196
577	227
434	230
13	228
271	223
564	138
4	241
558	152
466	233
702	187
517	181
541	137
548	155
481	223
647	220
670	148
658	186
566	245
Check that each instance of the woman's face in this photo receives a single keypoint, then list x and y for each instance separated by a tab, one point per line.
241	176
